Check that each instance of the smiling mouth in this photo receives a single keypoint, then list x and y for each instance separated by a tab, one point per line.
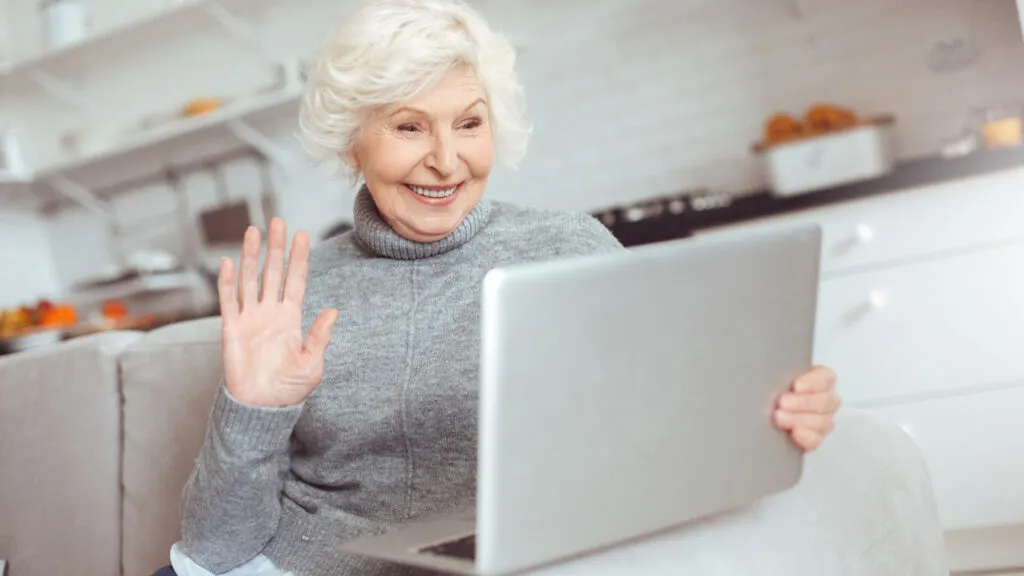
433	191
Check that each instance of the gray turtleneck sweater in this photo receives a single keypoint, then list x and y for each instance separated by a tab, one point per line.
390	434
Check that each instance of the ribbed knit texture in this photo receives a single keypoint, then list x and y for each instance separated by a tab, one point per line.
390	435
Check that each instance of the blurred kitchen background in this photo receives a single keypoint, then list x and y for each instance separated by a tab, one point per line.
140	138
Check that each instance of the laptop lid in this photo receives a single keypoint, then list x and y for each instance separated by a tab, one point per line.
627	393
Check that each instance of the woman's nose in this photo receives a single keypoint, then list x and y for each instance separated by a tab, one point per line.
443	158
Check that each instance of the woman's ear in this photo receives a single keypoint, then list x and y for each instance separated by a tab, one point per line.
350	158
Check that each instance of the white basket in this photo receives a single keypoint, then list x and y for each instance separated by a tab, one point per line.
830	160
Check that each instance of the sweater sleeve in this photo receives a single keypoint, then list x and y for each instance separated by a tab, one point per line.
232	502
231	505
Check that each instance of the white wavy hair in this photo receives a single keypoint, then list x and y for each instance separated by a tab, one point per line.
391	50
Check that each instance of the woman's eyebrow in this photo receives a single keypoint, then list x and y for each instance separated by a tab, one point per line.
424	112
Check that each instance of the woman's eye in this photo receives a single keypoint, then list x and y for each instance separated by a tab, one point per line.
472	124
408	128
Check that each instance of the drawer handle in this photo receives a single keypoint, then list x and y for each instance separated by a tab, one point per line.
877	300
864	234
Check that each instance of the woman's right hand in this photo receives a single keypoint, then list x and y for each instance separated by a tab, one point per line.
266	362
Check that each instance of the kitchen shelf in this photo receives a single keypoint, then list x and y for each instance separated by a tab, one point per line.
172	131
100	38
142	284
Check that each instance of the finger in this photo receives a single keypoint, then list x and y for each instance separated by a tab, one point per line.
227	290
806	439
320	332
274	266
247	284
817	379
822	402
298	266
819	423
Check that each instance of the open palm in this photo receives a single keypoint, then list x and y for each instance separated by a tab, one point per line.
266	361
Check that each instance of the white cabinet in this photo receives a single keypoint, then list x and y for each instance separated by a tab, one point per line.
921	314
927	327
924	222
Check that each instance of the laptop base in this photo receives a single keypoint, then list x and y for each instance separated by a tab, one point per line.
442	545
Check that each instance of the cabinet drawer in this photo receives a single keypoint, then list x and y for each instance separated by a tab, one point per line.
931	326
974	447
925	221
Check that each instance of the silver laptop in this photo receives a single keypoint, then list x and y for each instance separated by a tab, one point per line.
624	394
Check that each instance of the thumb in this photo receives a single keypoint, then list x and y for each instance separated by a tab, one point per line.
320	332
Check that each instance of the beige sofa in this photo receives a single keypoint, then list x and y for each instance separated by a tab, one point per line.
98	436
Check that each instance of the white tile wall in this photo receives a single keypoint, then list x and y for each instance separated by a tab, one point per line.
5	37
657	97
629	98
26	270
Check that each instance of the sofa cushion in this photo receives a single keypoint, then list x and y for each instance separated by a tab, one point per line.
60	430
168	382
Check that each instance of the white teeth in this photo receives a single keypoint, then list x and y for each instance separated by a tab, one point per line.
429	193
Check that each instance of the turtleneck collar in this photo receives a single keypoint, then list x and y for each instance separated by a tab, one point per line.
377	236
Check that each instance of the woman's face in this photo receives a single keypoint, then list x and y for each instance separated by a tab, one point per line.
426	160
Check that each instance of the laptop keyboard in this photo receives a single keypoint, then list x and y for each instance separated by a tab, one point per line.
463	548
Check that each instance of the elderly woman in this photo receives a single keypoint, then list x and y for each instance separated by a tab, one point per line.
370	422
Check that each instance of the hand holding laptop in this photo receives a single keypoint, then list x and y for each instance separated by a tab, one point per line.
808	410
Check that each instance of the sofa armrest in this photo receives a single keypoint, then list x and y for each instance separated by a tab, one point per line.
169	379
864	507
60	439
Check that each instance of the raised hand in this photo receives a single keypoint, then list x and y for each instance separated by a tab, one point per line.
266	362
